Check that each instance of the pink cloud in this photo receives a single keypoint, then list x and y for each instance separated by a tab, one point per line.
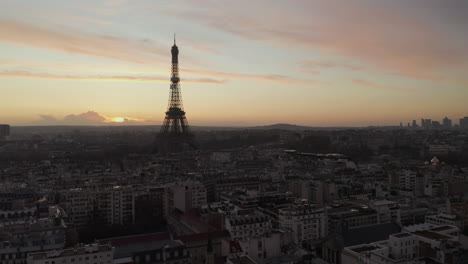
372	85
110	47
314	67
272	78
86	19
197	46
377	34
115	2
81	43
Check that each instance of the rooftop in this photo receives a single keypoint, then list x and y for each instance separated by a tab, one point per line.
431	235
248	219
442	228
127	246
401	235
364	248
242	260
204	236
144	238
383	202
71	251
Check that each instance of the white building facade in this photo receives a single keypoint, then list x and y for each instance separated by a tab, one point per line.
306	222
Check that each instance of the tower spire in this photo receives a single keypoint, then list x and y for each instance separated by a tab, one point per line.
174	39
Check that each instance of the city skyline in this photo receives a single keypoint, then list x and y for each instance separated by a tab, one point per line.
326	64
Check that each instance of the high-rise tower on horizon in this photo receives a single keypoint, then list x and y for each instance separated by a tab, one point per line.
175	132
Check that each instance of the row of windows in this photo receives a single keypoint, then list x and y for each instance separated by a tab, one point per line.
249	233
73	261
265	224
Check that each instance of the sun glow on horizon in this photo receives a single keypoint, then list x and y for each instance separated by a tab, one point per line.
118	119
121	119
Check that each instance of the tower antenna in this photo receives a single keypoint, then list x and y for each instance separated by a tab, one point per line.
174	38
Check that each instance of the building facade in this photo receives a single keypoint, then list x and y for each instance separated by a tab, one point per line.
244	226
111	205
21	237
184	195
306	222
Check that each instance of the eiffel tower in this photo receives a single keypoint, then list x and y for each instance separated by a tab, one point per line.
175	134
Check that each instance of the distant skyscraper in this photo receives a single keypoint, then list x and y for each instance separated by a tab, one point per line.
426	123
447	123
415	125
4	131
435	124
175	132
464	122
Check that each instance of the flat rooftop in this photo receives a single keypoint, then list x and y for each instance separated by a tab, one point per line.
88	249
364	248
442	228
242	260
431	235
383	202
401	235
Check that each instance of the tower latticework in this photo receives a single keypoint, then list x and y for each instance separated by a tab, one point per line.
175	134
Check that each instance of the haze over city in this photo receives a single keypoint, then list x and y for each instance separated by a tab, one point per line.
314	63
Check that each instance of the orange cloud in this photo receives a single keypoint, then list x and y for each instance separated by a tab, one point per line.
223	76
42	75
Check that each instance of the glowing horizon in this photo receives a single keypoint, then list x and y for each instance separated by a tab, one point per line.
324	63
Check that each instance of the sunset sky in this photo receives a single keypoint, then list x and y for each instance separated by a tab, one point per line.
304	62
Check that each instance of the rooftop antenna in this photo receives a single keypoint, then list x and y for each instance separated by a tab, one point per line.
174	38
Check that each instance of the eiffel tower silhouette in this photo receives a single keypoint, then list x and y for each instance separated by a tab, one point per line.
175	134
